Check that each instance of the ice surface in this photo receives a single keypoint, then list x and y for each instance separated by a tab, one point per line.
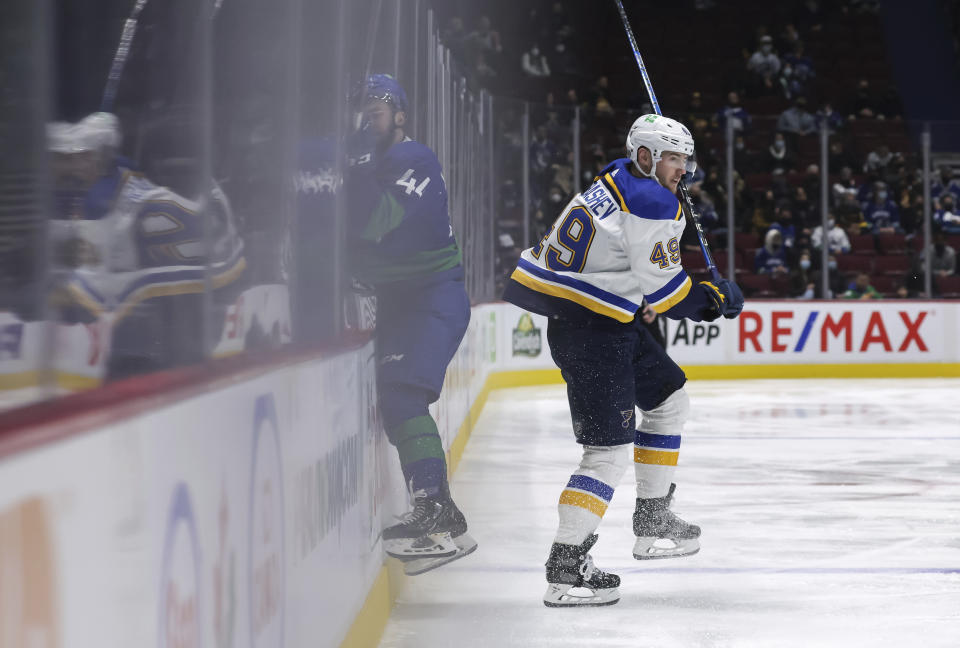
830	512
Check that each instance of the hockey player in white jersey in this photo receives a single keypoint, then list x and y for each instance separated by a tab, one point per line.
132	253
614	245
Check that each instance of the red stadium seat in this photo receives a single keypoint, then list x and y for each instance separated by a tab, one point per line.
756	285
746	243
893	264
863	244
892	243
693	262
853	263
886	284
948	287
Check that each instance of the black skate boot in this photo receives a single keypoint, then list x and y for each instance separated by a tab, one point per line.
434	533
569	567
660	533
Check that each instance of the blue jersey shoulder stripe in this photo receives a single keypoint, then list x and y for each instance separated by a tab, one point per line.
583	286
671	286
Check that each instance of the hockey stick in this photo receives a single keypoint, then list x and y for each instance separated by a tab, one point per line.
120	58
684	194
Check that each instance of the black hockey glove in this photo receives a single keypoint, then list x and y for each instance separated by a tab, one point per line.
726	297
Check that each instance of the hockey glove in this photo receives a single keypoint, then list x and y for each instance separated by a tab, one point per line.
726	297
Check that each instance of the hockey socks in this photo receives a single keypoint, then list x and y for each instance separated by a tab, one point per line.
584	501
422	458
657	445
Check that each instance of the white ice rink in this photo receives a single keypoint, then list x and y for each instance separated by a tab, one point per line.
830	514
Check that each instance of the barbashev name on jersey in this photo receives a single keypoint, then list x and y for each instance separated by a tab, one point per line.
614	245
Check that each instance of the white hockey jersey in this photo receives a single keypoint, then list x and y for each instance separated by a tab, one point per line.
614	245
136	240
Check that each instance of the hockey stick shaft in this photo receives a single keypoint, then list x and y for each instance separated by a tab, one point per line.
684	194
120	58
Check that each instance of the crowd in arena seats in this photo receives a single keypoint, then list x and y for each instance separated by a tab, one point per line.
808	64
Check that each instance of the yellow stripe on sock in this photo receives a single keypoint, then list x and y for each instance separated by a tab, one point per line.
655	457
593	504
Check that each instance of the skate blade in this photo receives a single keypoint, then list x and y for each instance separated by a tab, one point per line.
647	548
434	545
560	595
465	546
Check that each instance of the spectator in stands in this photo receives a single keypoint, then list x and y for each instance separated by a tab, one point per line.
850	215
772	257
790	38
763	67
485	38
744	159
764	211
864	104
834	121
455	37
703	204
810	183
944	182
881	213
878	160
911	209
784	223
695	108
483	68
566	62
797	72
846	185
534	63
797	119
837	241
943	258
946	217
838	156
835	279
861	288
733	111
804	279
778	156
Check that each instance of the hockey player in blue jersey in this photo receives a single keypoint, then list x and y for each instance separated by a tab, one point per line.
614	245
403	245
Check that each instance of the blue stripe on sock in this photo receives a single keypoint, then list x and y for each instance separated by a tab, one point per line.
591	485
665	441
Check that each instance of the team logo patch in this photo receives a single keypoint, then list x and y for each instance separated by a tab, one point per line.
526	338
627	417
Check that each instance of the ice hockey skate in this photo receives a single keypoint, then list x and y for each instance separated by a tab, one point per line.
574	581
660	533
433	534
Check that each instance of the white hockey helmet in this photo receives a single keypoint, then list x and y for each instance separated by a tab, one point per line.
95	132
659	134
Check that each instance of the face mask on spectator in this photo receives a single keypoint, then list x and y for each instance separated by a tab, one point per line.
779	145
535	51
555	197
832	265
882	195
805	264
831	223
739	146
766	49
